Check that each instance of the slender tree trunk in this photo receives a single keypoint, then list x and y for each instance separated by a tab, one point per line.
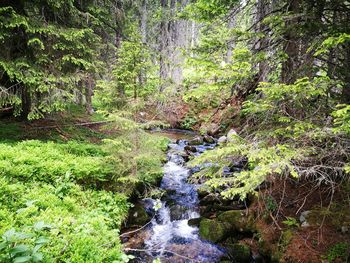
26	102
89	90
163	43
143	21
263	8
291	46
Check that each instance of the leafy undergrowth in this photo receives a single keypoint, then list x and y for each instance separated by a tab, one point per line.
63	197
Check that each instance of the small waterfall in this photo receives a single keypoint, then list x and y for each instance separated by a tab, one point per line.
171	238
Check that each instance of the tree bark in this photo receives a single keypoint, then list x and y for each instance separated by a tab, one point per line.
26	102
163	43
291	46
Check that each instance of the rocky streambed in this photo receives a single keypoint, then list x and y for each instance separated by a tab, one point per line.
188	224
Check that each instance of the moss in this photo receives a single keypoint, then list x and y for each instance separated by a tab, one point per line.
212	230
286	238
238	221
240	253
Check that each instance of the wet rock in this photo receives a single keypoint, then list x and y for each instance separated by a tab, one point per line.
148	204
222	140
212	230
194	222
138	216
257	258
208	139
190	148
196	141
177	212
240	253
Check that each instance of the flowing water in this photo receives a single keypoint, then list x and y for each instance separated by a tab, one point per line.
169	237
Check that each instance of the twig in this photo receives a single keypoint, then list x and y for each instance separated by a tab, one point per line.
157	250
74	124
136	230
275	221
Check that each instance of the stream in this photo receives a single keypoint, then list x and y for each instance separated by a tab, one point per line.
168	236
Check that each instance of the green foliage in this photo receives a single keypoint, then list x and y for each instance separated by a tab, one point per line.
206	10
189	122
80	225
14	247
53	190
35	160
290	108
338	251
342	119
291	222
211	80
264	161
134	74
271	204
62	34
332	42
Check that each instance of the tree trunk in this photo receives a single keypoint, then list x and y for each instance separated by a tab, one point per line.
291	46
89	90
263	8
26	102
163	43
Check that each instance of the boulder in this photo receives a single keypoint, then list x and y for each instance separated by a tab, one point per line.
138	216
177	212
212	230
240	253
190	148
194	222
344	230
238	221
231	135
208	139
303	218
211	129
196	141
222	140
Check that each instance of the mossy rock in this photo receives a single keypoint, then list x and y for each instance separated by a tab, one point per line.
240	253
238	221
138	216
212	230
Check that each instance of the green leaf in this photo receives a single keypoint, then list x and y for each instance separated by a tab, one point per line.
41	225
19	249
22	259
37	257
41	240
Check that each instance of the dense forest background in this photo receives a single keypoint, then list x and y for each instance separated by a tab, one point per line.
276	71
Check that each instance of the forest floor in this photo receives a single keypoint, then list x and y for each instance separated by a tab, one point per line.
324	237
75	167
